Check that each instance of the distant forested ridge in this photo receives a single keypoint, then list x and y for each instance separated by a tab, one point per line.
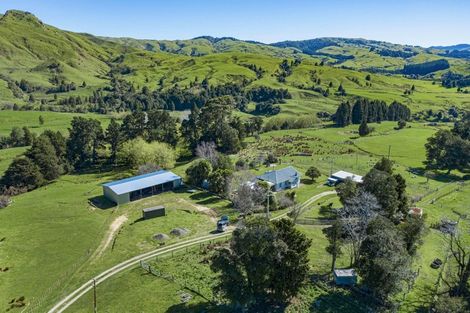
426	67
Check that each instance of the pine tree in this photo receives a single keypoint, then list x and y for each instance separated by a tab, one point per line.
114	137
343	114
364	129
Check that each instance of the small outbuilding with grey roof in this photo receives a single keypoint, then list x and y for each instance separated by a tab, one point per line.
286	178
138	187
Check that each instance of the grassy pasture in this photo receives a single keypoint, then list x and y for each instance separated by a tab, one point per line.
52	120
70	256
55	230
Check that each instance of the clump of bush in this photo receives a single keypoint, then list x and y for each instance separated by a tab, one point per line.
278	123
4	201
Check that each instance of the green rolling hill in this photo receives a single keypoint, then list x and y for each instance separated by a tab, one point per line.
58	64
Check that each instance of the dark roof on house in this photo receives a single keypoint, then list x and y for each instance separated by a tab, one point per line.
278	176
142	181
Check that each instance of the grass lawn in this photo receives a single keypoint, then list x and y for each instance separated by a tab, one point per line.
7	155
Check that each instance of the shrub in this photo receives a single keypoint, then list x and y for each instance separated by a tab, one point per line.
137	152
4	201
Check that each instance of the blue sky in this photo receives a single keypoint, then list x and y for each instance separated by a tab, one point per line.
416	22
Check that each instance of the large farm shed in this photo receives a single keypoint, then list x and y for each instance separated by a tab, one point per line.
138	187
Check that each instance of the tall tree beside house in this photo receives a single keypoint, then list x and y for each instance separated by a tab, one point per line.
198	172
313	173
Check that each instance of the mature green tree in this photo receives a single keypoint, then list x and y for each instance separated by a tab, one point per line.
134	125
114	138
447	151
223	162
413	231
384	165
462	127
341	90
346	190
214	123
364	129
343	114
228	139
313	173
60	146
265	264
28	136
359	111
403	201
401	124
85	137
161	126
41	120
43	154
190	128
294	263
219	181
198	172
384	187
17	137
254	125
384	263
22	174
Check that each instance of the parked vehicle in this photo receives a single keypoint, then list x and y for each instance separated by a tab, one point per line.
222	224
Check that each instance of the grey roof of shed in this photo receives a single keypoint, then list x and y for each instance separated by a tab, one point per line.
278	176
155	208
130	184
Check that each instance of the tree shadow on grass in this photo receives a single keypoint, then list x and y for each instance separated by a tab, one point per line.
340	301
438	176
306	181
101	202
207	307
195	308
204	198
